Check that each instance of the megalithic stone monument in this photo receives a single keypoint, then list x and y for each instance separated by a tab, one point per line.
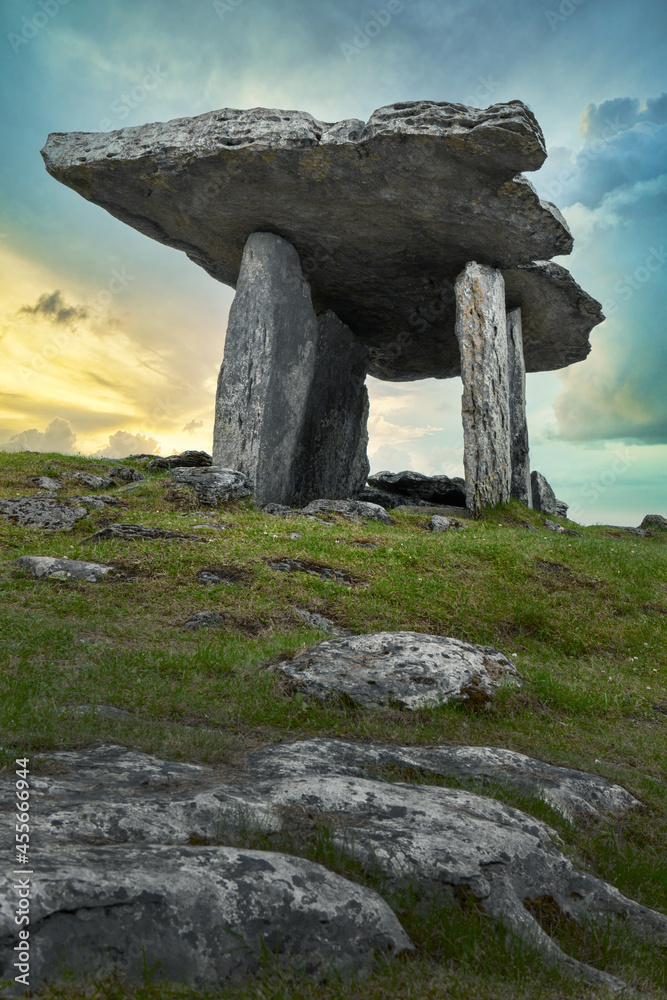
481	330
382	216
291	405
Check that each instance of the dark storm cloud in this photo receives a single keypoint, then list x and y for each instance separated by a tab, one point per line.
51	306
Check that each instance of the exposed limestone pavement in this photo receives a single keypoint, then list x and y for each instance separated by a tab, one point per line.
142	812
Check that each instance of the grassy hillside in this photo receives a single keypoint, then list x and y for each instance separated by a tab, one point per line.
585	620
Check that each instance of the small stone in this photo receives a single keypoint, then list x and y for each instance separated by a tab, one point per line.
388	500
438	523
552	526
406	669
653	521
213	484
42	512
64	569
216	575
46	483
91	481
204	619
187	459
311	568
348	508
325	624
126	474
98	503
544	499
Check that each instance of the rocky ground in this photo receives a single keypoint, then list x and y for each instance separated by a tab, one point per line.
360	749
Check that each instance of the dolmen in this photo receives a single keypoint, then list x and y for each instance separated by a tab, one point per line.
406	247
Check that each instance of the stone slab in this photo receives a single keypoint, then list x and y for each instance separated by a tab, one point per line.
64	569
383	214
520	487
481	330
399	669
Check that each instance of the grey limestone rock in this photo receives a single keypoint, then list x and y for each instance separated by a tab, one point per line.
388	500
544	498
350	197
652	521
481	330
520	487
348	508
289	565
42	512
196	915
325	624
187	459
214	484
331	459
131	803
439	523
97	503
64	569
401	669
417	488
136	532
126	474
204	619
267	371
93	482
46	483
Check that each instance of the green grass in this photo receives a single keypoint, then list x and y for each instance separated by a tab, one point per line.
585	620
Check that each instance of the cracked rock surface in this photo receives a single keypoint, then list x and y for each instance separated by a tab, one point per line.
42	512
213	484
108	814
64	569
384	215
201	915
407	669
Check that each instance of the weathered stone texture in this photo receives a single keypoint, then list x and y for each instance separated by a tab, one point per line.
544	498
379	212
267	370
520	487
481	329
213	484
330	459
417	487
407	669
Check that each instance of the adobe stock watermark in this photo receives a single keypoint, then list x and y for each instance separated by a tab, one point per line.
31	26
565	10
596	488
63	340
152	77
486	87
626	287
225	7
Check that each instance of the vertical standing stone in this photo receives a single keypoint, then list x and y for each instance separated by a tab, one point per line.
519	453
331	460
267	369
481	330
292	405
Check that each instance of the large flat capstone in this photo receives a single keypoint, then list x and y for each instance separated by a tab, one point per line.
383	215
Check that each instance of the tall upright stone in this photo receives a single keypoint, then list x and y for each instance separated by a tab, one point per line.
520	487
481	330
331	459
292	405
268	367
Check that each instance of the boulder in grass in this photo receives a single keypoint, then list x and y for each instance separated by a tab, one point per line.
64	569
439	523
399	669
46	483
654	521
418	487
126	474
91	481
544	498
186	460
42	512
348	508
213	484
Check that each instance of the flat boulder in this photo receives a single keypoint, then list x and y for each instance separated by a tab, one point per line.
46	483
415	487
186	460
126	474
64	569
213	484
202	916
42	512
348	508
439	523
383	214
91	481
387	500
400	669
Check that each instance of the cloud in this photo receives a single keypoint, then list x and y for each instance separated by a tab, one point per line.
58	436
122	443
51	306
616	190
192	426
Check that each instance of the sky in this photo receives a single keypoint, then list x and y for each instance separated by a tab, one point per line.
111	343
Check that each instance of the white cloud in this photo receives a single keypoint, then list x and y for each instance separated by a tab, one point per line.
58	436
122	443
